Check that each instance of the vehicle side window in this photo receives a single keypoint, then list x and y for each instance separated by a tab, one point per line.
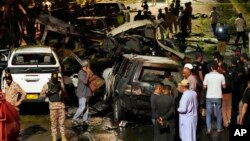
117	65
151	75
122	66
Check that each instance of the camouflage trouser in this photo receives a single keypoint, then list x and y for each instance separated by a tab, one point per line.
57	116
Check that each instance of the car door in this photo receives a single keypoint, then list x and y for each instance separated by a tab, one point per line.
124	83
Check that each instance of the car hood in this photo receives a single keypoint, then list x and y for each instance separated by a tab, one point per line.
130	25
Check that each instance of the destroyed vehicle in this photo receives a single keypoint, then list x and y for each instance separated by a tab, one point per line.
132	81
143	37
109	9
31	68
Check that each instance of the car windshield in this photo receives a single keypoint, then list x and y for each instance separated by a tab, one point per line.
34	59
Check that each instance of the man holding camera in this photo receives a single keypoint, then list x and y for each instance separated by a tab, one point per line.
222	37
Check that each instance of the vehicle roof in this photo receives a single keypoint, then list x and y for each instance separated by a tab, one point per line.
33	49
152	59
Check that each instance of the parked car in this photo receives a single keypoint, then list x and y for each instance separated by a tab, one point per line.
31	68
132	81
3	59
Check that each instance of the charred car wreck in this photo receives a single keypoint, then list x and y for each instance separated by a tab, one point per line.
131	82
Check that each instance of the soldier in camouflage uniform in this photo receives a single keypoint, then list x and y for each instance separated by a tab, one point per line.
12	91
54	90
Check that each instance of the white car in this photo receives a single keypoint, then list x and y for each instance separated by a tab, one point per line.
31	68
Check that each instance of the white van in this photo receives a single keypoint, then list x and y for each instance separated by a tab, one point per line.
31	68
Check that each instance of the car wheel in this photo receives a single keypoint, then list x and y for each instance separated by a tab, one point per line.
118	111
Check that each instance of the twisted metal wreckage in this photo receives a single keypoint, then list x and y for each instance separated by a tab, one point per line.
15	12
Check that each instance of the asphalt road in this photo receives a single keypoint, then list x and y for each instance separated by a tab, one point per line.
36	127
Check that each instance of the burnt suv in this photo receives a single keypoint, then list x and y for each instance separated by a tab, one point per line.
132	81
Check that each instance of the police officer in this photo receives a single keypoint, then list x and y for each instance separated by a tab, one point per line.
54	90
236	72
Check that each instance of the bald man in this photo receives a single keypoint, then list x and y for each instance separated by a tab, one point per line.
187	74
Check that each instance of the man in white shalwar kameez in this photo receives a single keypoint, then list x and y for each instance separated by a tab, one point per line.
187	112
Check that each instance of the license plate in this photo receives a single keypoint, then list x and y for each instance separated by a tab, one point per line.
32	96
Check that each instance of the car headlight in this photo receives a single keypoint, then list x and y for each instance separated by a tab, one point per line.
220	29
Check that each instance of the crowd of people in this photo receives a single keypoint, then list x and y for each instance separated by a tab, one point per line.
220	30
210	90
176	17
207	86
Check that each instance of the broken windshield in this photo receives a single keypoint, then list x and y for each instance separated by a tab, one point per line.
155	75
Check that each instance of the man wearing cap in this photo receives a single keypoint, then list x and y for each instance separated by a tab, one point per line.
187	74
83	93
54	90
12	91
214	82
187	109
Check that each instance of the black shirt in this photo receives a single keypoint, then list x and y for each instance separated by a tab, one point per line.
246	99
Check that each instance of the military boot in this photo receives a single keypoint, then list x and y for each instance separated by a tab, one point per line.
63	138
53	137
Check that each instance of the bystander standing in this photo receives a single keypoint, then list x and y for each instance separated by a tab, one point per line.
214	82
188	107
13	92
83	93
214	16
240	23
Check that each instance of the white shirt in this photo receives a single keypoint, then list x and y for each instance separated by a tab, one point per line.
214	15
240	24
48	4
214	82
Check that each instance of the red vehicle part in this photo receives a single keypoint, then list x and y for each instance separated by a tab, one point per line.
9	121
3	131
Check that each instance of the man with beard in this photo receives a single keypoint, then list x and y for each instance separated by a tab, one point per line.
187	109
55	92
12	91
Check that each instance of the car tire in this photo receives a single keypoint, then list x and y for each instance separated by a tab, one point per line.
118	110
